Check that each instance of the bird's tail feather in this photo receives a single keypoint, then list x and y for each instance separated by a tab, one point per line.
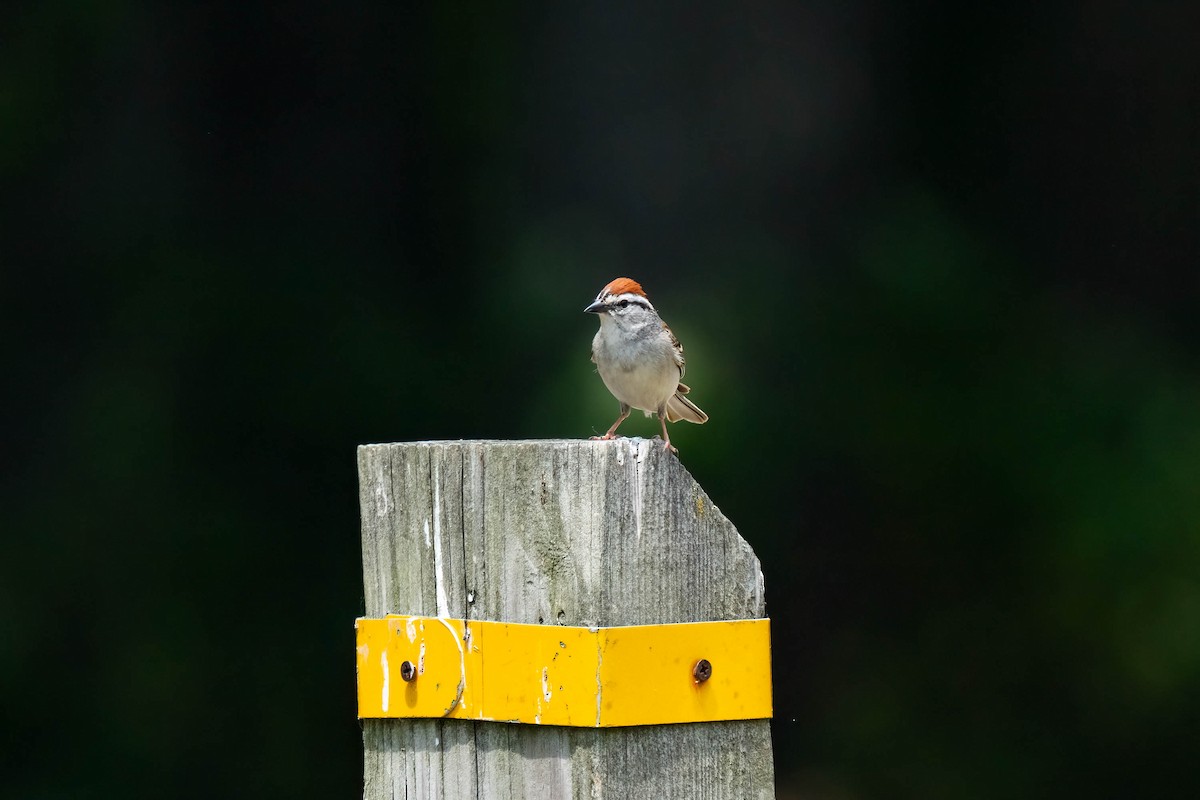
679	407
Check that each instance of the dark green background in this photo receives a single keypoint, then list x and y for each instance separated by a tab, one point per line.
935	267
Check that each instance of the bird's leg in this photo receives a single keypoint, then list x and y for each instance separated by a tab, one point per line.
612	432
662	417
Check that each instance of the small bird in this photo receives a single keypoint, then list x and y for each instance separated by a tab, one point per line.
639	359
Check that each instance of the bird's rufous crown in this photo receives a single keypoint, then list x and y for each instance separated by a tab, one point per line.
624	286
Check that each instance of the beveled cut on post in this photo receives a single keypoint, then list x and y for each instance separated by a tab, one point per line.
558	532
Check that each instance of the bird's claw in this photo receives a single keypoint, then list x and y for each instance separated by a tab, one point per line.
668	446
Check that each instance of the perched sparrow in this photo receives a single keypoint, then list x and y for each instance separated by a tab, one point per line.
639	359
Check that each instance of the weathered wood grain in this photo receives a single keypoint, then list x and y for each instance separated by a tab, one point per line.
553	532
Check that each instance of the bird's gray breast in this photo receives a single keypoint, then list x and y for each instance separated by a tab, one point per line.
629	347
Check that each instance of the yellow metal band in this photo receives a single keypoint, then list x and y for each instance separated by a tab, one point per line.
556	675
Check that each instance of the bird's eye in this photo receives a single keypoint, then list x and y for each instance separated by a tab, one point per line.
623	303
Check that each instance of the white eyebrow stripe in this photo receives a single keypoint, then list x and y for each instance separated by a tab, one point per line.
632	298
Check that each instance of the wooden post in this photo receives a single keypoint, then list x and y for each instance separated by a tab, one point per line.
556	532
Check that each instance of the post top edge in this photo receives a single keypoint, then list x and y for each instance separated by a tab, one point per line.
633	440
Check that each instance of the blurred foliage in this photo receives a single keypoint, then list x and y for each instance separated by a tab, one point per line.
934	267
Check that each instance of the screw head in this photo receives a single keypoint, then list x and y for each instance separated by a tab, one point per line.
408	671
702	671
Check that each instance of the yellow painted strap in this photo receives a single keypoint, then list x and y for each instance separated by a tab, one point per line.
556	675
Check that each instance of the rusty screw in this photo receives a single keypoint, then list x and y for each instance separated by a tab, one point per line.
702	671
408	671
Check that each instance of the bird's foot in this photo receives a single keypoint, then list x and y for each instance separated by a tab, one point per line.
668	446
604	438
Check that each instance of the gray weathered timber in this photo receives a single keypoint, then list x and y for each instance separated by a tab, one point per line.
556	532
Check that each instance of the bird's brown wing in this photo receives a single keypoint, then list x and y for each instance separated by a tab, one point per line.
679	359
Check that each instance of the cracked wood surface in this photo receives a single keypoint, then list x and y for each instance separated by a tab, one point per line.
563	532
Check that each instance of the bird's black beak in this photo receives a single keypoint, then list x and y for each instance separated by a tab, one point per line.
595	308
